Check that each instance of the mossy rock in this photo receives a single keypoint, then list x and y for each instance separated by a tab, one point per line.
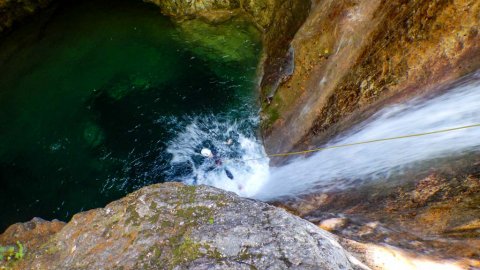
173	226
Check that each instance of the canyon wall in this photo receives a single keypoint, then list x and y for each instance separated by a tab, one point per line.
351	55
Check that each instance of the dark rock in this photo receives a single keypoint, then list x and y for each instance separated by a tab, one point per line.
12	11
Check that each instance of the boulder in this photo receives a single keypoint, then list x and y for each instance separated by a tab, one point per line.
173	226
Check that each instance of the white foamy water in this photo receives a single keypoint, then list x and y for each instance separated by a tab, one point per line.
340	168
213	132
335	168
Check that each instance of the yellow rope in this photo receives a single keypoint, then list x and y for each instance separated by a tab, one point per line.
364	142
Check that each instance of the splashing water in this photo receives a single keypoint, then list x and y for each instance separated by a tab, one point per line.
213	132
335	168
342	168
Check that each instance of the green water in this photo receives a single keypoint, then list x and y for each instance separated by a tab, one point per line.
85	91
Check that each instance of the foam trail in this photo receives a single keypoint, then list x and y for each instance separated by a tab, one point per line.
339	168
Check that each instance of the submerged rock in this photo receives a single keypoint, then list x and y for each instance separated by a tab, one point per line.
278	20
234	41
173	226
93	135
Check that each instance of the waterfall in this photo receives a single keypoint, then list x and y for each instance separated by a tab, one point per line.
344	167
339	168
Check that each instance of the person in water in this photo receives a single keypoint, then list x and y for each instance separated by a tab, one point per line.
218	161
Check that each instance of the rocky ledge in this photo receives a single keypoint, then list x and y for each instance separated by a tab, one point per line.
173	226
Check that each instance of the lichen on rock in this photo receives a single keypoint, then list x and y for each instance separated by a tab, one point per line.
173	226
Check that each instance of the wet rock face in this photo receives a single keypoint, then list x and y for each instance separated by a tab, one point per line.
434	213
12	11
351	56
196	7
172	226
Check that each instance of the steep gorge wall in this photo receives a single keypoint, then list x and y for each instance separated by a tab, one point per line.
278	19
351	55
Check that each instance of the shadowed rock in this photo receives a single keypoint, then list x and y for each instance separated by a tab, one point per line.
12	11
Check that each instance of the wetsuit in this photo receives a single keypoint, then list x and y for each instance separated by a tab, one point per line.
219	163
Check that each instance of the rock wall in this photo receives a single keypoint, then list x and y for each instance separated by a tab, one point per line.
431	212
12	11
189	9
269	15
351	55
172	226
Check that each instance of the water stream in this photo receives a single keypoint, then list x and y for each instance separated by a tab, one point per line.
341	168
